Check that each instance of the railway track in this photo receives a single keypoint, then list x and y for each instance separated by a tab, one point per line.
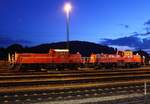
73	78
138	70
34	87
68	94
69	75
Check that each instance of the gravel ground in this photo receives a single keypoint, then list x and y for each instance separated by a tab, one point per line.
118	99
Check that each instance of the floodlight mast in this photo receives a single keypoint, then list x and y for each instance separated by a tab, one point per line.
67	9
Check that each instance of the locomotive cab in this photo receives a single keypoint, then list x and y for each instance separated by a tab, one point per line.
129	59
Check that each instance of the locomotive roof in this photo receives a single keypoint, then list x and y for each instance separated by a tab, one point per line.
61	50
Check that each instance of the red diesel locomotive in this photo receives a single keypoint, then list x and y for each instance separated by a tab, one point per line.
120	59
59	59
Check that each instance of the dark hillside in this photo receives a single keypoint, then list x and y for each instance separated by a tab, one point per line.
85	48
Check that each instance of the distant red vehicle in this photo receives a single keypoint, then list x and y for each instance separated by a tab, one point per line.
62	59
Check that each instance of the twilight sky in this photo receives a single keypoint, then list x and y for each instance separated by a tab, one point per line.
33	22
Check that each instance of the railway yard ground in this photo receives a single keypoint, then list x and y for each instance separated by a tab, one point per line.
83	86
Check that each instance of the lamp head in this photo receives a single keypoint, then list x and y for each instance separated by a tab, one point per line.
67	7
